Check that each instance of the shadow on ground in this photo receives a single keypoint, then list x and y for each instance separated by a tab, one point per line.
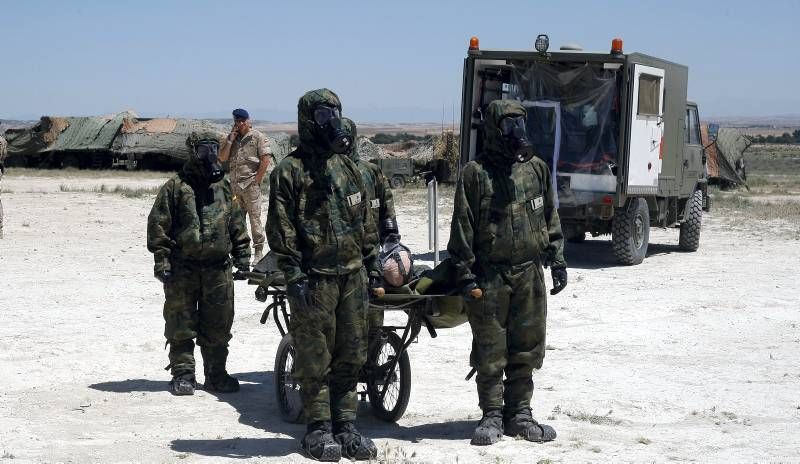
257	408
132	385
597	254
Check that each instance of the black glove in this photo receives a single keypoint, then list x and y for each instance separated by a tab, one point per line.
300	295
241	269
559	275
163	276
468	290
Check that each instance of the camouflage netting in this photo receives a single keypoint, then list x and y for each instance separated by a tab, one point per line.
368	150
280	146
724	156
446	147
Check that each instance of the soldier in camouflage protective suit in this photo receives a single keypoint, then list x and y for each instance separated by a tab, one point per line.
379	200
195	231
320	228
504	228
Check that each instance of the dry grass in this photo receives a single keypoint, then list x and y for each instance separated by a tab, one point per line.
596	419
72	173
128	192
767	210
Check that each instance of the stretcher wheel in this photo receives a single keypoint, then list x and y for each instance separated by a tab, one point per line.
390	405
287	388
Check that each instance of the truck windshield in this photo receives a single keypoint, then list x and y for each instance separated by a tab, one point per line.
573	113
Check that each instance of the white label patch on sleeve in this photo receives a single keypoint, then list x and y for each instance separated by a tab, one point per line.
354	199
375	203
537	203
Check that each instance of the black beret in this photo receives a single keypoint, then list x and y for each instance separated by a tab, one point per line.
240	113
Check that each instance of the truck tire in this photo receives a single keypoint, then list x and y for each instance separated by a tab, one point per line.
689	238
630	232
397	182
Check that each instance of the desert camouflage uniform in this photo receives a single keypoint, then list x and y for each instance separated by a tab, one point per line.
320	228
246	154
3	153
194	232
504	226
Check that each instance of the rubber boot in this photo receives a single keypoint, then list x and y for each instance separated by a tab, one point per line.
319	444
216	377
490	429
522	424
183	385
354	445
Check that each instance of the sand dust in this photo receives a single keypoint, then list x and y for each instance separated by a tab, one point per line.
689	356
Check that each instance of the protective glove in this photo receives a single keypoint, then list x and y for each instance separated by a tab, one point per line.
471	291
376	286
163	276
241	268
300	295
559	275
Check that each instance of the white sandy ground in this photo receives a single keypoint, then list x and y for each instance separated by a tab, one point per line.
687	357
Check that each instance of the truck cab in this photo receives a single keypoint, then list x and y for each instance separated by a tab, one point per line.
616	130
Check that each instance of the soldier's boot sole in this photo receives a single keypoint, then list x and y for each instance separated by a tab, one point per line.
328	451
181	387
489	431
535	432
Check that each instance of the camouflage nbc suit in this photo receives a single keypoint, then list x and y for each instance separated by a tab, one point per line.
379	198
196	231
3	153
320	228
504	227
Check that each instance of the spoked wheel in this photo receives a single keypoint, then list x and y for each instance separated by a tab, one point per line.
287	389
389	378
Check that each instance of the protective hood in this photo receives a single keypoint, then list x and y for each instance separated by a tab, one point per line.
350	127
203	167
498	148
313	138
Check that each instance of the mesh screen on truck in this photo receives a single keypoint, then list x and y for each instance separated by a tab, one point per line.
573	113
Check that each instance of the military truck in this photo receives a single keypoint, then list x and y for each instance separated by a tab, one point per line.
399	171
621	139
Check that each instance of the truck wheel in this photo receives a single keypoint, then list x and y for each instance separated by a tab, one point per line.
630	232
397	182
689	238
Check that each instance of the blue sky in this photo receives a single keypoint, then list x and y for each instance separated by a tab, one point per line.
389	61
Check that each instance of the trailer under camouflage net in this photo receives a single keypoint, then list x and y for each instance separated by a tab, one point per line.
120	140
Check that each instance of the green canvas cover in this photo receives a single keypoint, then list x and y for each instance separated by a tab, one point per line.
160	136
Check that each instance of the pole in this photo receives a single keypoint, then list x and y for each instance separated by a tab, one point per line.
433	220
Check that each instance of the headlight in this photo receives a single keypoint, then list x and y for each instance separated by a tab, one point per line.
542	43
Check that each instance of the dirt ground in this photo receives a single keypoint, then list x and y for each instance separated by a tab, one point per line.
687	357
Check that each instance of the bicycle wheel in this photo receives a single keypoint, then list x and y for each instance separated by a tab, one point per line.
287	389
392	404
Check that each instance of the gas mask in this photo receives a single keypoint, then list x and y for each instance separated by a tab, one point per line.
207	152
515	139
329	127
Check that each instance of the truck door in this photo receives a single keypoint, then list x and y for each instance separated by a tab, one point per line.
646	137
692	151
